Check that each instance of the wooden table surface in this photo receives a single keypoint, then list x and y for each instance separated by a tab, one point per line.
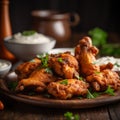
15	110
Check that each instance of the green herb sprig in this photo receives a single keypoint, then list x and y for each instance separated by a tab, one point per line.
71	116
109	91
28	32
64	82
44	59
100	40
91	95
60	60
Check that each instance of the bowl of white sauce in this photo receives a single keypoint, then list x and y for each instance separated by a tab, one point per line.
5	67
111	59
26	45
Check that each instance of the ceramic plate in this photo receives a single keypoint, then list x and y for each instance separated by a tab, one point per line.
42	101
61	50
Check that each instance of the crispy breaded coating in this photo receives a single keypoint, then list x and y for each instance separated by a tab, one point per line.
66	89
64	65
67	69
101	80
37	81
26	68
99	77
85	54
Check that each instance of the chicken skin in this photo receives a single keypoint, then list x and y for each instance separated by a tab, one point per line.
66	70
26	68
106	66
66	89
64	65
85	54
101	80
99	77
37	81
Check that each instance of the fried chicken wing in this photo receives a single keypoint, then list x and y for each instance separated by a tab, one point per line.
101	80
99	77
66	69
37	81
65	89
85	54
26	68
65	65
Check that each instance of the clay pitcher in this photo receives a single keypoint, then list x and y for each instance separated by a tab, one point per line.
55	24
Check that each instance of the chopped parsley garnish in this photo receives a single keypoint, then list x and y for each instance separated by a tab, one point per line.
65	82
28	32
96	94
71	116
109	91
44	59
60	60
90	95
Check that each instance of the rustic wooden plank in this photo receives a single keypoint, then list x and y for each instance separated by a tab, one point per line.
98	113
21	111
114	111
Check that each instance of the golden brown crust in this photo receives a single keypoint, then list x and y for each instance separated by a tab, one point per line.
68	67
65	91
26	68
85	54
65	65
100	81
37	81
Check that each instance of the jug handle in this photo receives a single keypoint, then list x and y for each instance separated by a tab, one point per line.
76	19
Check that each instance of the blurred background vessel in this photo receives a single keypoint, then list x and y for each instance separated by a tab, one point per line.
5	30
16	17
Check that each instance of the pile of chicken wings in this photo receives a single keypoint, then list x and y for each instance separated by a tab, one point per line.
65	75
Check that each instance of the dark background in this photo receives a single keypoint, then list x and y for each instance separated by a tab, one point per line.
93	13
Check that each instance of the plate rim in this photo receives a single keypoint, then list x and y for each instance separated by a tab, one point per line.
57	103
81	103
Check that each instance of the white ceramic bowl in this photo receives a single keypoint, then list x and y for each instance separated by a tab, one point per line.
27	52
5	67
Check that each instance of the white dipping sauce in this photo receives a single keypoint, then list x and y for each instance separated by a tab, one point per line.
3	64
36	38
107	59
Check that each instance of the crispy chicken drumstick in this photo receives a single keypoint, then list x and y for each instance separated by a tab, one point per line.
85	54
99	77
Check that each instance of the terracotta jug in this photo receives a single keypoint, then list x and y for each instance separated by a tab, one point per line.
5	30
55	24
